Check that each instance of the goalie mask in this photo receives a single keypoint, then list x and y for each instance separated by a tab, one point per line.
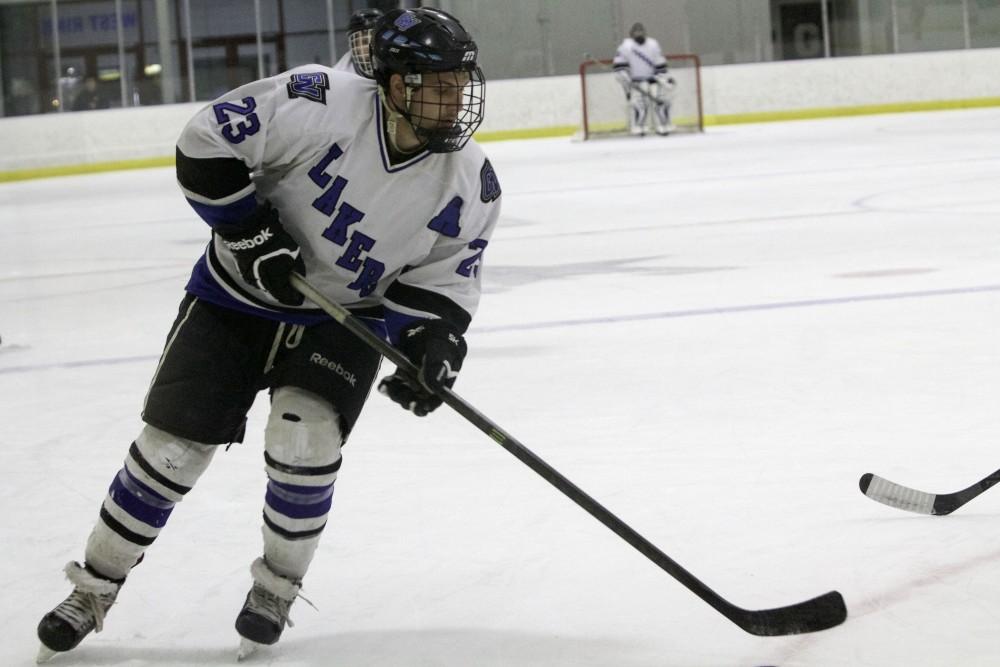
638	33
444	86
359	35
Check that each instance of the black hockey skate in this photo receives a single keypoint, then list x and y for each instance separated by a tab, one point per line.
73	619
265	612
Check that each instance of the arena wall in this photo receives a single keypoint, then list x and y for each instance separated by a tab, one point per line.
54	144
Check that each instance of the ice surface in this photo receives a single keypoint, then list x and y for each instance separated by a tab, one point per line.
713	335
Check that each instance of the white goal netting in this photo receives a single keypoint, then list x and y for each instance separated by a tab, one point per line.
605	110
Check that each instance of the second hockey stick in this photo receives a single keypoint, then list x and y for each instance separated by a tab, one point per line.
819	613
937	504
634	85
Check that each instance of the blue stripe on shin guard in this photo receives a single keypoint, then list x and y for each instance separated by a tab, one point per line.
299	502
139	501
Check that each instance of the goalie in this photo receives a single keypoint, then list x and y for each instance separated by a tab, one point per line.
643	73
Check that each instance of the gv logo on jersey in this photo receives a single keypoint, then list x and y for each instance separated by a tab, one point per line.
310	85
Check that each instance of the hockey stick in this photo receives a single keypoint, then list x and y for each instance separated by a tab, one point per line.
911	500
633	85
812	615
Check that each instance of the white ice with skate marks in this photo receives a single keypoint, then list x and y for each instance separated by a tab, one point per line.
712	335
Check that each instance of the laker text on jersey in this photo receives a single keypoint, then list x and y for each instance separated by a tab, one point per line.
354	257
358	245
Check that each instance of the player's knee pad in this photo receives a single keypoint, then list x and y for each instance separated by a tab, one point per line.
167	464
302	440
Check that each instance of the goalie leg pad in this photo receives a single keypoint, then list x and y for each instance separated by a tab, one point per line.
663	124
302	451
662	95
159	470
638	109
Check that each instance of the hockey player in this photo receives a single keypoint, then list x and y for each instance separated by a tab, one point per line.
359	35
642	71
382	200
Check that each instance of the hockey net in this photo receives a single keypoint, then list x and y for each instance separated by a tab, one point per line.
605	111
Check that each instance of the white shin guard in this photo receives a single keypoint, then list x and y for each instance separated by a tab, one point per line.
159	469
302	451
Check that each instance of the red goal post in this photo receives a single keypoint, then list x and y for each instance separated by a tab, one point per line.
604	108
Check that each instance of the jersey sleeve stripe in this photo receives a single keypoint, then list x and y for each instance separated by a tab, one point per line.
222	201
212	179
405	299
227	214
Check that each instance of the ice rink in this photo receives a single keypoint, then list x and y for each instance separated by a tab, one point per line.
713	335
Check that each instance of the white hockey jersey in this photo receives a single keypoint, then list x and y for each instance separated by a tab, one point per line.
406	238
346	64
643	61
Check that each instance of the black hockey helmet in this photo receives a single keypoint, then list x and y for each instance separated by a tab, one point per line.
359	34
364	19
638	33
415	42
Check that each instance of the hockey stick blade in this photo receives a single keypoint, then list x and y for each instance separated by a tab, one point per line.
819	613
920	502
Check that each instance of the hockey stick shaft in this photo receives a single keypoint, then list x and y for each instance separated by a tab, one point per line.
902	497
634	85
817	614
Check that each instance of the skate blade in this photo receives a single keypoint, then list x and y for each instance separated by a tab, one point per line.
44	654
247	649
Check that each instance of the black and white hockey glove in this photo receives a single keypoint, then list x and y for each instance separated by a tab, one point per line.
668	82
437	349
265	253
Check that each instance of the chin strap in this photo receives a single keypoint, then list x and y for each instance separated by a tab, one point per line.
392	120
